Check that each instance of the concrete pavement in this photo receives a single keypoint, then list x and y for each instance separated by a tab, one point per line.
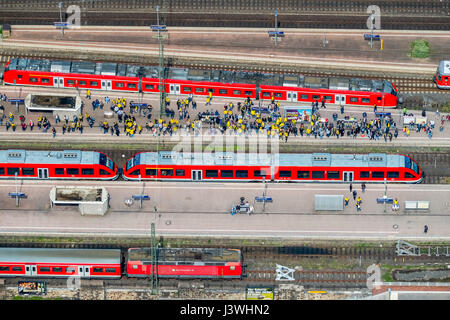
202	209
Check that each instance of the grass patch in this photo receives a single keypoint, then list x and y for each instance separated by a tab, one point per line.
419	49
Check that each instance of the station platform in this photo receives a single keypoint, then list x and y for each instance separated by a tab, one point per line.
182	211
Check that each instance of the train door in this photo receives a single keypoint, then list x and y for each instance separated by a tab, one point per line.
339	99
106	85
347	176
30	270
196	175
43	173
84	271
58	82
291	96
174	89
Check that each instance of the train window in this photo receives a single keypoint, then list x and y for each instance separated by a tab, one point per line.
120	84
408	175
33	79
44	269
211	173
70	270
241	174
166	172
379	98
94	83
248	93
71	82
45	80
12	171
304	96
266	94
199	90
284	173
131	85
260	173
151	172
223	91
378	174
19	76
110	270
2	170
333	174
187	89
318	174
226	173
180	172
2	268
97	270
315	97
73	171
149	86
365	100
237	92
303	174
364	174
135	172
210	90
104	172
57	269
28	171
353	99
16	268
87	171
392	174
328	98
278	95
59	171
81	82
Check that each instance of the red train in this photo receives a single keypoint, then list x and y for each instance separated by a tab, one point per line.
106	263
442	77
222	83
67	164
186	263
316	167
61	263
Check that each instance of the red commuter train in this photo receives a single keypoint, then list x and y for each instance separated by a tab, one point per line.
186	263
442	77
222	83
211	263
60	263
235	167
67	164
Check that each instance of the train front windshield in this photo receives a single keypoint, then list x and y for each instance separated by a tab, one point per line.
411	165
107	162
135	161
389	88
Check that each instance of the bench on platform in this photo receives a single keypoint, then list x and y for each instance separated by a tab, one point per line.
417	205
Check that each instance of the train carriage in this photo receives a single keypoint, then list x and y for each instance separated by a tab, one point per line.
221	83
67	165
235	167
442	77
212	263
60	263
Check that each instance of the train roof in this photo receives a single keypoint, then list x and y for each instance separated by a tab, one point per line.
33	156
222	76
285	159
56	255
444	67
186	254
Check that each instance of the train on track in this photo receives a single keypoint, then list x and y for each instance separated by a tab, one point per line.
208	263
222	166
442	77
221	83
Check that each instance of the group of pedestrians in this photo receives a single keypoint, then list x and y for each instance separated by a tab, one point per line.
356	198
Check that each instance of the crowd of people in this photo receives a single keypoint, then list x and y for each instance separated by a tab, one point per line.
241	118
